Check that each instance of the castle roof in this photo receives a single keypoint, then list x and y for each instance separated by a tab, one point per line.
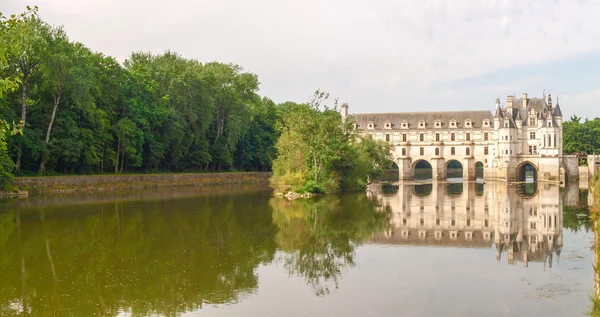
413	118
557	112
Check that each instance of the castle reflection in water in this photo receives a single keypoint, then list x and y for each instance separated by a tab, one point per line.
523	222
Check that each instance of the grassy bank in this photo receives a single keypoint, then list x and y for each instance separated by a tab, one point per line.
94	183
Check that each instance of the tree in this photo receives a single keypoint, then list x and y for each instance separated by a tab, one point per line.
319	152
26	56
66	76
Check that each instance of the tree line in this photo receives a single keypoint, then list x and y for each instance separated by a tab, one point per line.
581	137
84	112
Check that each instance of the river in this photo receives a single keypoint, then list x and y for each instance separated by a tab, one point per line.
443	249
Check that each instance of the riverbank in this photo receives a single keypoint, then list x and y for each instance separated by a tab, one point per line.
97	183
595	215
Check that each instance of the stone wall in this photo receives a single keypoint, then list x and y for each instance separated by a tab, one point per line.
116	182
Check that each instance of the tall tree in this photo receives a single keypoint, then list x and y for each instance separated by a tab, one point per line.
26	57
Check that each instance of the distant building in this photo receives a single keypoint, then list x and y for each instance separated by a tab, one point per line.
524	134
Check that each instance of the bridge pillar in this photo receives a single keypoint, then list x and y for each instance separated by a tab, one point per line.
438	166
469	171
404	168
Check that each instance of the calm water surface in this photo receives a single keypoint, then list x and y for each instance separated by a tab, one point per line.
460	249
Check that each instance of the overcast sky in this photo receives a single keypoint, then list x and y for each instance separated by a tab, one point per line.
378	55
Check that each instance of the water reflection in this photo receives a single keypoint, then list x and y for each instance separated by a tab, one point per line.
146	257
166	253
318	236
522	222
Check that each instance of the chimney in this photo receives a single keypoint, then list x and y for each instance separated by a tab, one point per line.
524	100
509	101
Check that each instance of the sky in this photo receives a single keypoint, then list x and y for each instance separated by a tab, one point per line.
377	55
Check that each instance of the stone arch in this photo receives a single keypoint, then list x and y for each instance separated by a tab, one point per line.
527	171
479	170
454	169
422	169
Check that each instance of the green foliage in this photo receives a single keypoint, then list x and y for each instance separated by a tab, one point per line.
316	145
83	112
581	137
314	188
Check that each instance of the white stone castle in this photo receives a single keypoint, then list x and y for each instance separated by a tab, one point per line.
524	134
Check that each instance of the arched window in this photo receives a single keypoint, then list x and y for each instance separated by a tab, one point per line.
437	151
468	151
403	152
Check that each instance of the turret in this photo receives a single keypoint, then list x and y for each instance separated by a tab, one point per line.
498	114
558	116
524	99
344	112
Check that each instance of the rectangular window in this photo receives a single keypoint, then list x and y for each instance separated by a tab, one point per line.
437	136
387	138
404	137
485	151
486	223
452	151
421	137
468	136
452	137
531	122
468	222
485	136
532	135
532	225
422	151
531	149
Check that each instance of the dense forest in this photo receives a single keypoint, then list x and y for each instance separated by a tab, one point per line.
84	112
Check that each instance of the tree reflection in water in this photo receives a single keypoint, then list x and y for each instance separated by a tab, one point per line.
148	258
318	237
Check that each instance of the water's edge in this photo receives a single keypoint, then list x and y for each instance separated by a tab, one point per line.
99	183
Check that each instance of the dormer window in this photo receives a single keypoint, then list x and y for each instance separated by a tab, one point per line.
453	123
422	124
404	124
532	122
438	124
388	125
370	125
486	123
468	123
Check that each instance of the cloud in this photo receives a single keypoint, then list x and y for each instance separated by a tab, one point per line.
583	104
383	55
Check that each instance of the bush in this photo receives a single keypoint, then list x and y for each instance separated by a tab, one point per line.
313	188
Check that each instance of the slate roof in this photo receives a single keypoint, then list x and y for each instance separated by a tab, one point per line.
538	104
413	118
